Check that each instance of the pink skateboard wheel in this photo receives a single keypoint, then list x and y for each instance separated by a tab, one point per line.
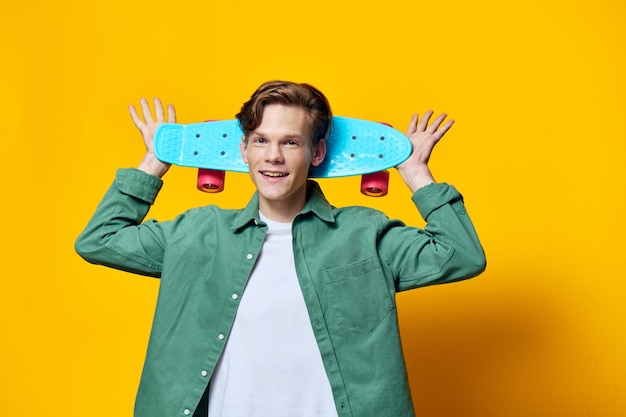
375	184
210	181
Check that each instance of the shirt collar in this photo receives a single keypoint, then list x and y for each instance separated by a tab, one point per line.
316	204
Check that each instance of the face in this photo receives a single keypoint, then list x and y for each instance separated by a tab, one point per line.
279	154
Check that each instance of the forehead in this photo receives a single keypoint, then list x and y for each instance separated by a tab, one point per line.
284	120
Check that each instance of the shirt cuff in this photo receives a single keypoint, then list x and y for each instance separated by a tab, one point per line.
138	184
432	196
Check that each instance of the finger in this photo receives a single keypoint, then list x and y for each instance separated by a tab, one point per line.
135	116
436	123
421	126
145	108
442	131
158	110
412	125
171	114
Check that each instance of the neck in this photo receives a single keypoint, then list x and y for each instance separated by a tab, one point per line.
280	214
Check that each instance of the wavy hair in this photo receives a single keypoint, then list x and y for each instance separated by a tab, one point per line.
288	94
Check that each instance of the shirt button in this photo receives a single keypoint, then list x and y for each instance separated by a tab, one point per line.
204	373
220	336
249	256
235	296
186	412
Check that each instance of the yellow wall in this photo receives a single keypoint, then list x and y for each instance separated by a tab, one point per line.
538	92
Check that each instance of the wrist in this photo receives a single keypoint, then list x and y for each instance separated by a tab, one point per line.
153	166
416	177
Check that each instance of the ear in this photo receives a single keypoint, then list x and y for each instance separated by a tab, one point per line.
243	147
319	153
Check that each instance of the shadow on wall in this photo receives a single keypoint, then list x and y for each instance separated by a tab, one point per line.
496	357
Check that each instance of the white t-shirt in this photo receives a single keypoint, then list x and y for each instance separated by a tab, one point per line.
271	365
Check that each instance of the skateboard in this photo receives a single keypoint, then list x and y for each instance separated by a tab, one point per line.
354	147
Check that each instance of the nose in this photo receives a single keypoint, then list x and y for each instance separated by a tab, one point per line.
274	154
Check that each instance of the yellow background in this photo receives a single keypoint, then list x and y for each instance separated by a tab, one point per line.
538	92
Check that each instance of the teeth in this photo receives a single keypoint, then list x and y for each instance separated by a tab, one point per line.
273	174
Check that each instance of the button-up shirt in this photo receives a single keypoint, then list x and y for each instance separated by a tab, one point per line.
350	262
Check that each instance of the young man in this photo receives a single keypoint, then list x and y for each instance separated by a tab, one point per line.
286	307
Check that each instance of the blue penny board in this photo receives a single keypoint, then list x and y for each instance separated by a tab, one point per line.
354	147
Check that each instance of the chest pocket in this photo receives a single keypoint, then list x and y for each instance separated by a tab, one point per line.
358	295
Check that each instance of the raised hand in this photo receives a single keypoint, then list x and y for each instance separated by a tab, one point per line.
424	136
147	124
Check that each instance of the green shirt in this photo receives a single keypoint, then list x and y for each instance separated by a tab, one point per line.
350	263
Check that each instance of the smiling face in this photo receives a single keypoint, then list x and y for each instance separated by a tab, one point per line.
279	154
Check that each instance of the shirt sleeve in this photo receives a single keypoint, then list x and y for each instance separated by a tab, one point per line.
115	236
446	250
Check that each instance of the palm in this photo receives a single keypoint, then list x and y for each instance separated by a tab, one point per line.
149	123
425	136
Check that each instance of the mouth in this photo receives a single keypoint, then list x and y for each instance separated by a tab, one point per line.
274	174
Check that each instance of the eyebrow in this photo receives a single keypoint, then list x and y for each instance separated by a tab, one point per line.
287	136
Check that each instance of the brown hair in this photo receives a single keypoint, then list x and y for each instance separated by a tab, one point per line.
289	94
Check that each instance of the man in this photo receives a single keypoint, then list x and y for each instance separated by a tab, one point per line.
286	307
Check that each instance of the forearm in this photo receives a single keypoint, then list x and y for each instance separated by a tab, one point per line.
113	237
446	250
416	176
448	222
151	165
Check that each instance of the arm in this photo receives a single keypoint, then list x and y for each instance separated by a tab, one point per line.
448	249
115	235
